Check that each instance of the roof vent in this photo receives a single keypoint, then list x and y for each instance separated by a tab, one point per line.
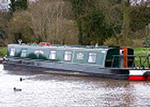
96	45
19	40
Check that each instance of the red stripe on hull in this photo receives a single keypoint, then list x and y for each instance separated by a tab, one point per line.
138	78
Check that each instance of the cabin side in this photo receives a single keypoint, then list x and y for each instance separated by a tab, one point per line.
102	57
115	57
111	61
59	54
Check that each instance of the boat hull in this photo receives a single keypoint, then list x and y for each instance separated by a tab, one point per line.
139	78
96	71
139	75
42	66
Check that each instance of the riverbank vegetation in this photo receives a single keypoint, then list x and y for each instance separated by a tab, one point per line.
76	22
142	54
3	52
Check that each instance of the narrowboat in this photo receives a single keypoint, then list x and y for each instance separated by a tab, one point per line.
100	61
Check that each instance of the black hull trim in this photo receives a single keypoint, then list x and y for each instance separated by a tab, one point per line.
113	73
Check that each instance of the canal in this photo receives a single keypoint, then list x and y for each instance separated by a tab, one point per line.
50	90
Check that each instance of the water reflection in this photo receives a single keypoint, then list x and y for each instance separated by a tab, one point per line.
47	89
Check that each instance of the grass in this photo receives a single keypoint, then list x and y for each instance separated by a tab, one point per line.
3	51
143	52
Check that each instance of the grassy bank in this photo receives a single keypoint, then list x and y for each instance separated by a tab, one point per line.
143	52
3	51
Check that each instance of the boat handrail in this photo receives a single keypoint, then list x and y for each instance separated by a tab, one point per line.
134	56
123	55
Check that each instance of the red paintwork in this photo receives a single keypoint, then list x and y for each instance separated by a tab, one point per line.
138	78
125	49
125	57
47	44
44	43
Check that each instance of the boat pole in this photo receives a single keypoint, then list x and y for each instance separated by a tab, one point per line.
125	57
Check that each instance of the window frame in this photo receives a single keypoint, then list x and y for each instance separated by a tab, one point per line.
92	57
12	52
52	54
68	56
22	53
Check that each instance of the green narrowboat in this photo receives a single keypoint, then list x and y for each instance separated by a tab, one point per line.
101	61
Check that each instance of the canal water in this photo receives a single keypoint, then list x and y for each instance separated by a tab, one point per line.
50	90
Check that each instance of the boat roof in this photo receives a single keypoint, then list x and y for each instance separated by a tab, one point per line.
75	47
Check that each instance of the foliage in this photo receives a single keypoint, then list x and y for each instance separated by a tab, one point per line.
20	27
137	43
147	41
111	42
95	29
140	17
19	4
75	22
3	52
4	27
79	8
114	41
45	21
114	2
50	23
141	51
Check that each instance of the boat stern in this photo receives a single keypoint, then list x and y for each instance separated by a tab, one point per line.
139	75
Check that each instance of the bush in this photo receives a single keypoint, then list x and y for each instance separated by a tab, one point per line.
114	41
147	41
3	42
137	43
3	52
111	41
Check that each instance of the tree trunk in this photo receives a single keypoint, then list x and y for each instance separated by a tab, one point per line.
126	21
80	36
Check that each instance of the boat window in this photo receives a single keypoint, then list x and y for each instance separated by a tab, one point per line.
52	55
24	53
67	56
12	52
92	57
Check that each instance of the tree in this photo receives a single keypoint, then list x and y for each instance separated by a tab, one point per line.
126	22
140	17
20	27
19	4
4	28
113	12
95	29
51	22
79	8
